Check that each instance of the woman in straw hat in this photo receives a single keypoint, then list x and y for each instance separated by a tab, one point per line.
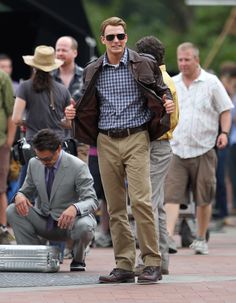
40	100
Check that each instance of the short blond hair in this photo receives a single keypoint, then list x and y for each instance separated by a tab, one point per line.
114	21
188	45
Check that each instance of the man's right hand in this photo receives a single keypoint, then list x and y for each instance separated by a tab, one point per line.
22	204
70	111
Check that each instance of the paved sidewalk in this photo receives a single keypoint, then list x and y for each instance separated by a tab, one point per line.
192	279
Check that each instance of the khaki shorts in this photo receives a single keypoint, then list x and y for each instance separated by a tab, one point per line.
4	167
197	174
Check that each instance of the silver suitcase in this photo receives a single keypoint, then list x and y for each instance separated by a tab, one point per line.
29	258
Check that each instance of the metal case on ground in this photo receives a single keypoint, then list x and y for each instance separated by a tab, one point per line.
29	258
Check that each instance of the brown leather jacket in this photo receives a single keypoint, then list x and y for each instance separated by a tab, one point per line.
148	76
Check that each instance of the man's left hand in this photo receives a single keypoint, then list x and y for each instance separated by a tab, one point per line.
222	141
67	218
168	104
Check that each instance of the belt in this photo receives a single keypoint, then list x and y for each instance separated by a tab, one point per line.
122	133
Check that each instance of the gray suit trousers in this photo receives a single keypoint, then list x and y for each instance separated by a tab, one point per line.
32	230
160	156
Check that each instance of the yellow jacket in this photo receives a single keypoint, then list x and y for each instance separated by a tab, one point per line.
174	117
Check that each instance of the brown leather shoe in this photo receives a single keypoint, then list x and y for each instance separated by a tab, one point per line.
150	274
138	270
118	275
164	271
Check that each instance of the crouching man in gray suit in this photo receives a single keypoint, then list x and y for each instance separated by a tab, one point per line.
65	201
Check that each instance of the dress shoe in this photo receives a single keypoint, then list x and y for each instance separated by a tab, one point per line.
164	271
150	274
138	270
118	275
77	266
172	246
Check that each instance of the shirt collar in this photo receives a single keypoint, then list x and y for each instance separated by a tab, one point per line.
202	76
77	71
123	60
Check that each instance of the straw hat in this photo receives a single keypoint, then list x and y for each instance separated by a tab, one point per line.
44	59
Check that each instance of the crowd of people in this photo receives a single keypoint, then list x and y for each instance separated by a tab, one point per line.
143	139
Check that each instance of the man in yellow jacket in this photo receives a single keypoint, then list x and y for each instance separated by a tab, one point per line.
160	152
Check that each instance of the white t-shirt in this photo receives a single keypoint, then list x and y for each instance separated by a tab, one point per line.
200	106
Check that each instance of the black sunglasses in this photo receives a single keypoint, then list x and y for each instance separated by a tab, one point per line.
112	37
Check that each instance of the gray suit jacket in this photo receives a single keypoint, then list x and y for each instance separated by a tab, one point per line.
73	184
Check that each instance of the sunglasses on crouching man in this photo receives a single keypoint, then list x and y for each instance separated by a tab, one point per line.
111	37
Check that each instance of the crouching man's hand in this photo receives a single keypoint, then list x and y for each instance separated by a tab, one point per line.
22	204
67	218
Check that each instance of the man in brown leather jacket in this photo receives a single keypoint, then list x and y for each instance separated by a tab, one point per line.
148	76
121	106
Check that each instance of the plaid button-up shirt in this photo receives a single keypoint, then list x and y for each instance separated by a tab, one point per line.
76	82
122	105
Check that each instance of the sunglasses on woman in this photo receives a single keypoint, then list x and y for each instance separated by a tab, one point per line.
112	37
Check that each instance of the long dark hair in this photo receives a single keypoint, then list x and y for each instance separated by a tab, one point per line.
42	81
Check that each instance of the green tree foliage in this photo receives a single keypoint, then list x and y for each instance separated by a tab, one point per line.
173	22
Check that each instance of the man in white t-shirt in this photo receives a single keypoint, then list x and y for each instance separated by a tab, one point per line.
204	106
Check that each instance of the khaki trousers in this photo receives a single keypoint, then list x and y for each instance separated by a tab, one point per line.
83	152
129	158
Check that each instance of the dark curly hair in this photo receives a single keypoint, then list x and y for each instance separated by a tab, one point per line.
46	139
153	46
